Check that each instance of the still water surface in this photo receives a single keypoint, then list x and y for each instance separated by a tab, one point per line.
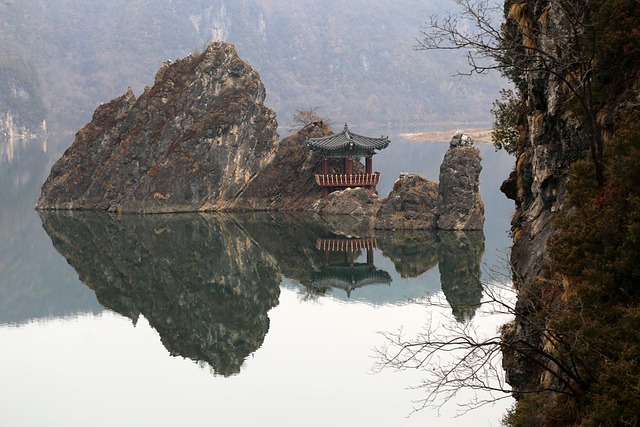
228	320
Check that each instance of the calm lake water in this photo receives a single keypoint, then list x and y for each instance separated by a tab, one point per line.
231	319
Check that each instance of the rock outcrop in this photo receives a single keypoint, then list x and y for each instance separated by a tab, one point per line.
287	182
411	205
454	203
350	201
192	142
460	205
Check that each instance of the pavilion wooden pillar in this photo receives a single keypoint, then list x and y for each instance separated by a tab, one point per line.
369	170
349	166
325	171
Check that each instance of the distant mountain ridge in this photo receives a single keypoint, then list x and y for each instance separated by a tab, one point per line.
353	59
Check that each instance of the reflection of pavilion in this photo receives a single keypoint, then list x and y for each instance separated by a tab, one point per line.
340	269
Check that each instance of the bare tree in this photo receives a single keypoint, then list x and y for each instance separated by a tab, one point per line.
302	118
522	44
454	356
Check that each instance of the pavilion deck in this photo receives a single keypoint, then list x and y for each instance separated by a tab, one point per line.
348	180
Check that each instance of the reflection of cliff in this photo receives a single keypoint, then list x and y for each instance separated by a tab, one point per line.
459	259
201	282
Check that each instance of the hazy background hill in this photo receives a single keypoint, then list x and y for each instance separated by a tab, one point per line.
354	59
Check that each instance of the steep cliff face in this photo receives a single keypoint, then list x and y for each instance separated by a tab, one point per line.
573	90
22	112
192	142
551	142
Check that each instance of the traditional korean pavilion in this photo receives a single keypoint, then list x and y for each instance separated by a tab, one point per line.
347	146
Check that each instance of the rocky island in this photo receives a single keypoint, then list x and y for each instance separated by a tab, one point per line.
201	139
196	141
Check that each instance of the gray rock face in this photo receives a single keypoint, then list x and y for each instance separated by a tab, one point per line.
192	142
412	204
460	205
553	142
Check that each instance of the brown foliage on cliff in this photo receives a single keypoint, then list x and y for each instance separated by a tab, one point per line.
596	266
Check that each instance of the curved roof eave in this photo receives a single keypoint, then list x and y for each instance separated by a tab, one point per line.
345	140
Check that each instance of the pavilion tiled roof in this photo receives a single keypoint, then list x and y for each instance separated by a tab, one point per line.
347	140
348	277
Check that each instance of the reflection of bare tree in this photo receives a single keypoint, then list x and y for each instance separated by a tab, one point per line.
201	282
459	259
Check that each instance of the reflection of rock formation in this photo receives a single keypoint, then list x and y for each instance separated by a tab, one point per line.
289	238
459	258
412	252
458	255
201	282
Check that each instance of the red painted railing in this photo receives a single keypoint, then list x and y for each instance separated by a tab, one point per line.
344	180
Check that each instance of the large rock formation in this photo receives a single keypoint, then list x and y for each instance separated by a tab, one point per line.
454	203
192	142
412	205
460	205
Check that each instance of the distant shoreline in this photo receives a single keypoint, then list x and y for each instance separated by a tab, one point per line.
481	136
